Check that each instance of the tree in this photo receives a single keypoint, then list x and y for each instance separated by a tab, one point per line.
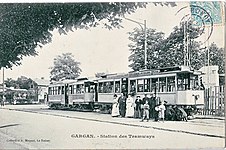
9	82
217	57
164	52
25	26
172	49
65	67
136	47
21	83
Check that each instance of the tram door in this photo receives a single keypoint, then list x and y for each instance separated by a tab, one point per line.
90	88
96	92
66	94
124	86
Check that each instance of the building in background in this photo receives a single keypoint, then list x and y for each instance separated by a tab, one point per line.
41	89
210	77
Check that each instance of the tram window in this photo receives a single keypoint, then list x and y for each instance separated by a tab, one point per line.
117	86
170	84
154	84
92	87
108	87
74	89
80	89
55	90
104	87
71	89
183	82
146	85
133	86
50	90
162	84
59	90
62	90
100	88
87	89
194	82
140	85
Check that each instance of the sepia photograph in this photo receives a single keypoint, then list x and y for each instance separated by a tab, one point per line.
112	75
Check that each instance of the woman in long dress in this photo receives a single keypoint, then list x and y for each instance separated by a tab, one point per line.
129	106
115	107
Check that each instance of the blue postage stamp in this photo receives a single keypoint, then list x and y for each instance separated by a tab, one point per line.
213	9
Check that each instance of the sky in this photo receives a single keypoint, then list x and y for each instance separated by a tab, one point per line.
99	49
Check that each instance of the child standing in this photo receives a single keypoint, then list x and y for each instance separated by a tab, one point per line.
146	111
161	110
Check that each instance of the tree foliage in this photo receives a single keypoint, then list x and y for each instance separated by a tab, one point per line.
167	52
65	67
21	83
24	26
172	49
217	57
154	38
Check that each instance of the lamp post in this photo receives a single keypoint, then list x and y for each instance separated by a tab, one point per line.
144	29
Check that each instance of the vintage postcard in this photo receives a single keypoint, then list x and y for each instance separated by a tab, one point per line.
112	75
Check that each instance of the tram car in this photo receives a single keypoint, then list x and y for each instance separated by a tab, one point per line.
78	94
175	85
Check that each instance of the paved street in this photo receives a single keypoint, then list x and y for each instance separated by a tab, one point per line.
37	127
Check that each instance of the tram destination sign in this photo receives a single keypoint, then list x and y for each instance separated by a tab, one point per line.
143	73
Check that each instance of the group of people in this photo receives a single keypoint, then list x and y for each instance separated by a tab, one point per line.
144	109
123	106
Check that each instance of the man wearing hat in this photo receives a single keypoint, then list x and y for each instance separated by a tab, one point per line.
152	105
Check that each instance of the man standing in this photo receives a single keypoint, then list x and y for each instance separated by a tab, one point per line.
122	105
152	105
143	102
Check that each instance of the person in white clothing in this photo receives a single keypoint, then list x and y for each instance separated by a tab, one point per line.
161	110
130	106
115	107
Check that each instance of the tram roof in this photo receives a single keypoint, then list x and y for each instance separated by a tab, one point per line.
146	72
62	82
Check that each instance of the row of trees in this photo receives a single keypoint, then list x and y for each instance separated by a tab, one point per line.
166	52
21	83
161	52
25	26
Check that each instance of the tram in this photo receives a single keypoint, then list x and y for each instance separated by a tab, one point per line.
178	85
79	93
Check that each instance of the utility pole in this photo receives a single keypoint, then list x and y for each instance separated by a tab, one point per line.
145	44
224	5
3	86
144	29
